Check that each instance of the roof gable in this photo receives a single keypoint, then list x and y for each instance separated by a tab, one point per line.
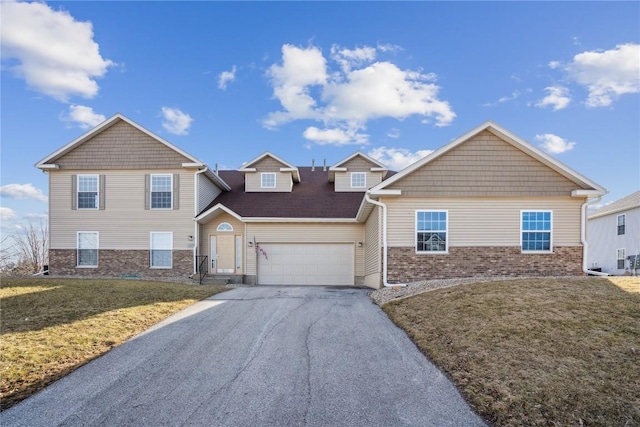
268	162
499	152
118	143
357	162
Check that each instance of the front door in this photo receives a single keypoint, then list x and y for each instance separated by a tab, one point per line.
223	254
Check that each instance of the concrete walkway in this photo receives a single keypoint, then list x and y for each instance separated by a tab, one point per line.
261	356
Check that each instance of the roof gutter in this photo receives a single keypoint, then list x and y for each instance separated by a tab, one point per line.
384	241
583	238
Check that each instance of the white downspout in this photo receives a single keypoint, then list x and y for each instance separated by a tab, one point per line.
583	239
196	235
384	241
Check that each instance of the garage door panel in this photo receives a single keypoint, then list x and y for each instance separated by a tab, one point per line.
306	264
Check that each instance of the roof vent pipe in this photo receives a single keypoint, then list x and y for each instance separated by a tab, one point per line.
313	165
324	165
216	169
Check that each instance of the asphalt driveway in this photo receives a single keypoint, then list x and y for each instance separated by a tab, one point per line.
285	356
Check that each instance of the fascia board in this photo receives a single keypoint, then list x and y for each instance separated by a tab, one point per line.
204	216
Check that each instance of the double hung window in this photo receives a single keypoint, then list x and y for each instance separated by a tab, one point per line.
621	224
88	191
431	231
161	249
536	228
162	191
620	255
87	249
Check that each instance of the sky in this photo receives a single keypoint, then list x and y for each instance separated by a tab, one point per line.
227	81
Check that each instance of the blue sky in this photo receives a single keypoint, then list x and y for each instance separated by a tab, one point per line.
320	80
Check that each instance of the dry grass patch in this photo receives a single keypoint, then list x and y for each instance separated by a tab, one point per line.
535	352
51	327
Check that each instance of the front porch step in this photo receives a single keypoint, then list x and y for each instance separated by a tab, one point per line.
222	279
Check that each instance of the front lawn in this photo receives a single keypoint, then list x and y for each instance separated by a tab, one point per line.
52	326
535	352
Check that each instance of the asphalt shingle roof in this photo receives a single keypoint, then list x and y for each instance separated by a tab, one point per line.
312	197
629	202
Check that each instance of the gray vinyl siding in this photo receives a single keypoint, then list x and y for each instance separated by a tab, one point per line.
485	166
483	221
307	233
124	223
604	241
207	192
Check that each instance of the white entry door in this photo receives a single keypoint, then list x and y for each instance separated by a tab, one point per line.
223	254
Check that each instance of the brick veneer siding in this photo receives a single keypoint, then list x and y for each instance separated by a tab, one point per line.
115	263
404	265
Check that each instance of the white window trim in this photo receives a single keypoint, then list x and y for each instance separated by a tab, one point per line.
416	231
163	267
97	233
170	175
222	224
263	175
364	181
77	195
624	257
550	251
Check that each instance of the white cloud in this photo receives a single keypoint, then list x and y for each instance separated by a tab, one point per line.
22	191
55	54
175	121
554	144
226	77
38	216
83	116
394	133
554	64
397	158
558	98
7	214
335	136
348	96
607	74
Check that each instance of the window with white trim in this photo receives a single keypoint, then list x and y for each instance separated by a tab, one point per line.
87	249
536	231
224	226
162	191
88	188
161	249
268	180
620	256
431	232
358	180
621	224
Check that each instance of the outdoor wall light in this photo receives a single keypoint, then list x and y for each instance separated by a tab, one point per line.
250	244
359	244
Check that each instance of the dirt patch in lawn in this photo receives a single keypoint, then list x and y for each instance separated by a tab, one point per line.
51	327
535	352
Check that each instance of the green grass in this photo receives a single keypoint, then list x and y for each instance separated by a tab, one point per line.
50	327
535	352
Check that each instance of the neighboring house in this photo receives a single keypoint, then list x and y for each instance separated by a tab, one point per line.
613	233
123	202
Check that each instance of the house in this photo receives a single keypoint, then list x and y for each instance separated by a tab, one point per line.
125	202
614	236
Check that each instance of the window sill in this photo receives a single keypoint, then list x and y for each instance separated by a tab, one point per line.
161	268
432	253
86	266
536	252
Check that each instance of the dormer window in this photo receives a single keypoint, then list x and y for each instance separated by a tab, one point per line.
358	179
268	180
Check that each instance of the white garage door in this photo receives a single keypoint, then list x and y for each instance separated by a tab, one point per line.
306	264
